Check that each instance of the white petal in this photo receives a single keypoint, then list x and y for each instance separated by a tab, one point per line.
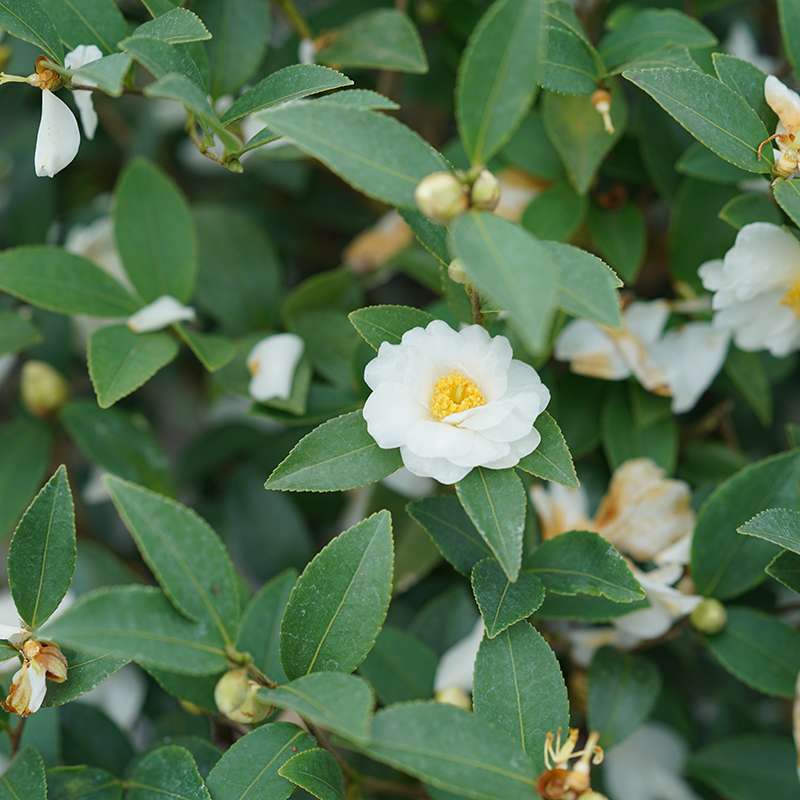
440	469
58	140
457	664
711	274
121	696
160	314
585	642
784	102
646	320
390	412
272	363
82	55
409	485
85	103
38	682
96	242
560	509
590	351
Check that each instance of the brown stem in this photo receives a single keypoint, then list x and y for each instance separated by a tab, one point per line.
16	736
475	304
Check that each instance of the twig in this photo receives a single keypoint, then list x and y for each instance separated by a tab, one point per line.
296	19
475	304
16	736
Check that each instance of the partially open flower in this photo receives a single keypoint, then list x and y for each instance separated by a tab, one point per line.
41	661
160	314
452	401
236	696
757	289
272	364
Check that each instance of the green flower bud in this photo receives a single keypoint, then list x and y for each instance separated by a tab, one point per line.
485	194
236	696
456	271
709	617
441	196
43	388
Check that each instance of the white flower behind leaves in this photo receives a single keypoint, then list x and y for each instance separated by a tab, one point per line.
272	364
160	314
757	289
452	401
58	140
457	664
79	57
560	509
786	104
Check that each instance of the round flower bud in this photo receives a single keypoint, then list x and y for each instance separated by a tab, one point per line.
454	697
456	271
43	388
485	194
709	616
441	196
236	697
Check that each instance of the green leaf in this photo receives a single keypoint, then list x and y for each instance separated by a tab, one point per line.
377	324
212	351
572	65
530	149
700	162
316	771
400	667
155	233
289	83
744	767
260	629
188	559
361	99
647	31
495	501
176	26
785	568
28	20
338	455
787	194
240	33
170	771
17	333
140	624
555	214
514	270
623	688
51	278
336	702
750	207
498	75
452	750
85	672
88	734
120	361
374	153
581	562
789	15
161	59
25	778
501	602
759	650
714	114
620	235
120	443
725	564
84	22
519	689
551	460
250	767
159	7
339	603
380	39
451	530
107	73
748	80
781	526
24	459
576	131
82	783
41	558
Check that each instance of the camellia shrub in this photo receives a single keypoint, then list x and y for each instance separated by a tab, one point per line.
400	399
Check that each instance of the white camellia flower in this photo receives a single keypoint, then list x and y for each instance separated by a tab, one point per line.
81	56
757	289
458	663
648	765
272	364
452	401
786	104
681	363
58	140
160	314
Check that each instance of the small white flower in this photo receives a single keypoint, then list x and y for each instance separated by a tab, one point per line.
58	140
690	357
74	60
272	364
458	663
560	509
757	289
96	242
452	401
160	314
617	353
648	765
786	104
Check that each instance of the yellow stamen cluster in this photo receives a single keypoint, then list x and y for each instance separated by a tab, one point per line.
792	298
44	77
453	393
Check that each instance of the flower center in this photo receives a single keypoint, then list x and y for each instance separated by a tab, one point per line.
792	298
453	393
